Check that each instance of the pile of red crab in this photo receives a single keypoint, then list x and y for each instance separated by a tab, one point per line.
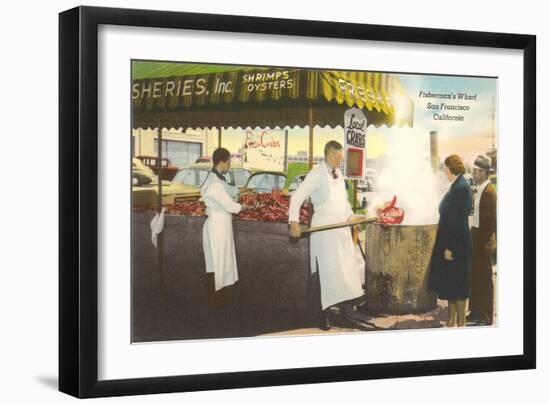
389	213
190	208
263	207
269	207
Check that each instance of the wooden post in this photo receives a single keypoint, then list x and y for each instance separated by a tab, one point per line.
160	244
205	142
139	142
311	124
159	168
286	151
310	113
354	195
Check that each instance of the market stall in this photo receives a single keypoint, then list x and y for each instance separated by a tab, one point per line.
275	290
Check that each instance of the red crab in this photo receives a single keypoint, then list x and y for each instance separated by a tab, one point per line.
389	213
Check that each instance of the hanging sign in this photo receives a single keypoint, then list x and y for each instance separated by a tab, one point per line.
355	142
264	150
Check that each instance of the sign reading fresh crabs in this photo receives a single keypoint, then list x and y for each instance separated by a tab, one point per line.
264	149
355	137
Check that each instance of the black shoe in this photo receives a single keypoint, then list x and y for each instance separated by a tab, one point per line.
354	315
472	318
324	324
478	323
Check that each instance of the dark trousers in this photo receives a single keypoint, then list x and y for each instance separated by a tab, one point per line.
481	303
221	298
323	315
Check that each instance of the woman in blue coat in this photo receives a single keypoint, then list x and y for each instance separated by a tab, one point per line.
452	253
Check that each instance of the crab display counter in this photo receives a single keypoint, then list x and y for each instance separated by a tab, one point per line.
275	291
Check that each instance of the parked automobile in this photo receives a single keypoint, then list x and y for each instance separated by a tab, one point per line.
369	181
266	181
178	189
141	174
295	183
203	159
146	195
186	184
168	170
195	174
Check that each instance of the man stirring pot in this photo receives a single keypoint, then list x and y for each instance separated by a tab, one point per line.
332	252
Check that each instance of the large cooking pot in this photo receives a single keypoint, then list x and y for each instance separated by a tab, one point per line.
398	258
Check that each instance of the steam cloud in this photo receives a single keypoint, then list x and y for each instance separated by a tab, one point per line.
406	172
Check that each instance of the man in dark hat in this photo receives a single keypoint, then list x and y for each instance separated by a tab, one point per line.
483	227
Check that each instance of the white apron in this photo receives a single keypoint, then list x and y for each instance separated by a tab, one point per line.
333	251
217	233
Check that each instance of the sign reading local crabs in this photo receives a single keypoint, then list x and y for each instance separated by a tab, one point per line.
264	149
355	141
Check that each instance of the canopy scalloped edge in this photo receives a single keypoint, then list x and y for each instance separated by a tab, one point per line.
267	127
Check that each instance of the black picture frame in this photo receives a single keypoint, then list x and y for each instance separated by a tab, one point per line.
78	201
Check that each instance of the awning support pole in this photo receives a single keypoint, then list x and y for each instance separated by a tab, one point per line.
159	168
354	196
286	151
310	113
159	297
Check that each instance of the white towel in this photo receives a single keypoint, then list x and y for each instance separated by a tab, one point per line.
157	224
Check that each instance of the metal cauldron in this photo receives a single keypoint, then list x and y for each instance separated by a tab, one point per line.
398	258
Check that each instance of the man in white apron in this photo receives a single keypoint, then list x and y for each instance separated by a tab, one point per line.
332	252
217	234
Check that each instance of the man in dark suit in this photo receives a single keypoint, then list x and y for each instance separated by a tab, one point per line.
483	227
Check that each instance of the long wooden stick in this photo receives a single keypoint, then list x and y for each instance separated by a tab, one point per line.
352	222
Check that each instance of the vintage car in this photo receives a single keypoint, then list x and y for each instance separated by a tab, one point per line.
168	170
369	181
296	181
141	174
195	174
145	196
185	185
266	181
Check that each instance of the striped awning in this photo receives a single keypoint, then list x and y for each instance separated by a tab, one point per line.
268	97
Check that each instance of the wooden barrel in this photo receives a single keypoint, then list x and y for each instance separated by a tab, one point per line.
398	259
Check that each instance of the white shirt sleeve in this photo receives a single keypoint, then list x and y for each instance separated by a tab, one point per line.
306	188
220	194
232	190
